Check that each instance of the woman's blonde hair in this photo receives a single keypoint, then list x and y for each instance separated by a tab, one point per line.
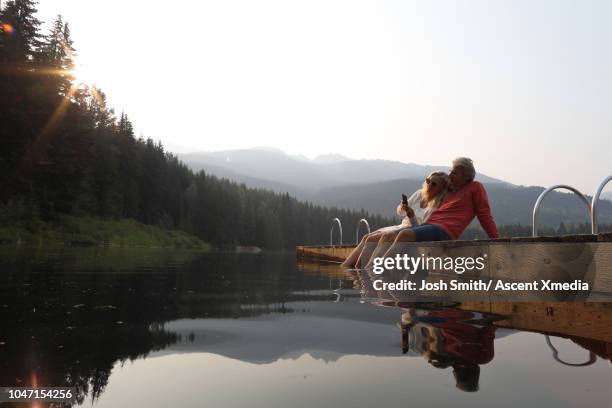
437	200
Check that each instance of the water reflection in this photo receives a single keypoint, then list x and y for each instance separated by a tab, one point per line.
68	317
450	338
175	324
467	327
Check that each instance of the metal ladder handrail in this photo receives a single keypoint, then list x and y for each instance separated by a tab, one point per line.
331	232
591	360
536	207
363	220
595	203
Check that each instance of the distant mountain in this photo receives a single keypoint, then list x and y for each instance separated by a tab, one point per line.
330	158
253	182
268	149
606	195
510	204
303	174
376	185
262	164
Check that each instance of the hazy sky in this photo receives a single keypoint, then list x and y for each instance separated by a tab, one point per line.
522	87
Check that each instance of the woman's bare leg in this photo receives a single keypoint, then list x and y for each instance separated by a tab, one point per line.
350	260
353	257
383	244
406	235
370	244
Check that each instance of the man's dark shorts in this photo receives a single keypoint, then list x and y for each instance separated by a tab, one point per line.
430	232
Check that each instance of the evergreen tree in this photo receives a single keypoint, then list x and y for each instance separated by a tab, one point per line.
56	57
21	37
562	230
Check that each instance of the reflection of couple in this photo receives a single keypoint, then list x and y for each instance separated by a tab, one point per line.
450	338
440	211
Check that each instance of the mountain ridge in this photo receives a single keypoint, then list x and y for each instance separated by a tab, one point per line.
374	185
323	171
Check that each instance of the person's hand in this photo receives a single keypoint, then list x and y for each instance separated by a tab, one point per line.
409	211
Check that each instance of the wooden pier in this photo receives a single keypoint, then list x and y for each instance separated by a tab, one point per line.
576	257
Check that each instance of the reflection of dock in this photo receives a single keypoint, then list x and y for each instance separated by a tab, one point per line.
586	323
567	319
329	269
589	325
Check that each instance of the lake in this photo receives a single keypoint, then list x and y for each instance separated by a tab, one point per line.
160	328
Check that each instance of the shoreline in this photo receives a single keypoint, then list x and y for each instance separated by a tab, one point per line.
73	231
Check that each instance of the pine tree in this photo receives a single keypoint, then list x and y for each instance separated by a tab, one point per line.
51	48
21	38
561	230
55	57
124	127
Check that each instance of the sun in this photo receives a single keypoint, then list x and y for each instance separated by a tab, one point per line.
83	75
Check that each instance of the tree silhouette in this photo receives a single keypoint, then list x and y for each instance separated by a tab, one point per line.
67	154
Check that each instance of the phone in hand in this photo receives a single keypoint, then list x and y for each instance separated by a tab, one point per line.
404	199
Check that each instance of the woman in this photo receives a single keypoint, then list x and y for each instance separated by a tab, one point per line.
420	206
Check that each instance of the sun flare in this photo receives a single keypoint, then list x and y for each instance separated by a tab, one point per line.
83	75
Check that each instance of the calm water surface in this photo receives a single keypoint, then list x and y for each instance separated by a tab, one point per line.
152	328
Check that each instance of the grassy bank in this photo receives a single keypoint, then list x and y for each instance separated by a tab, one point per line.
90	231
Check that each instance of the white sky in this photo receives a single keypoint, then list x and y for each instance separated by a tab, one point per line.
522	87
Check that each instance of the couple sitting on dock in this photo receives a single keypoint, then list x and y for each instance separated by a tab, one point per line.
440	211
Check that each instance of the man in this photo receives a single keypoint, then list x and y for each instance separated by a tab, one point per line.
466	199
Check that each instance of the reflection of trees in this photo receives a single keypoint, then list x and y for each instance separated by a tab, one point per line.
65	324
80	357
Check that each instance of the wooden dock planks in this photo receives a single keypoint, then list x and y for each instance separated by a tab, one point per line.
584	257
